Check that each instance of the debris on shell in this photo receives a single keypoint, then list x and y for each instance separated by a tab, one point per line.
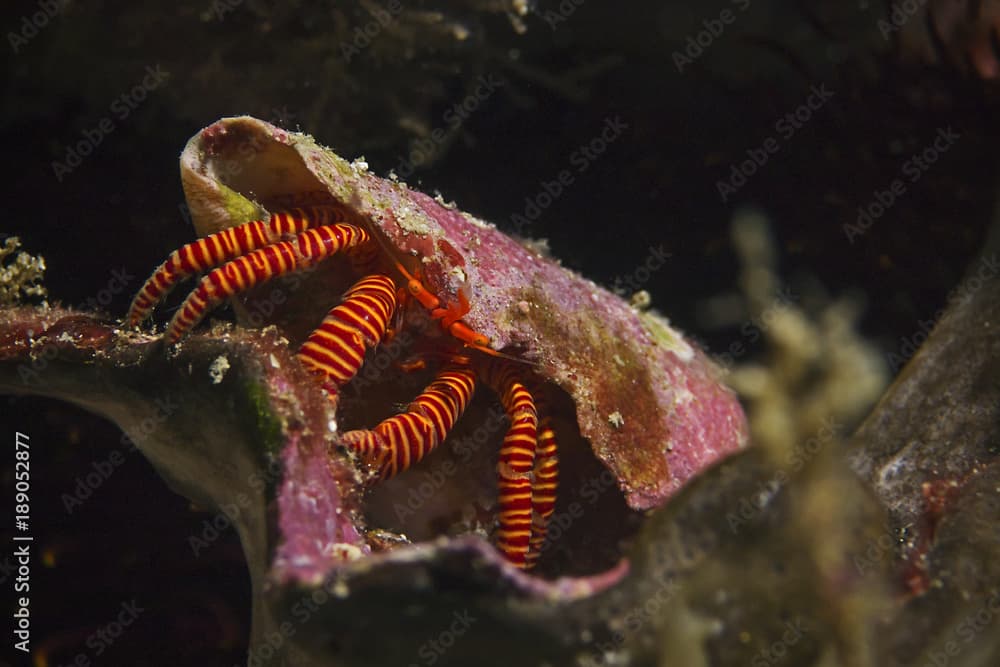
218	369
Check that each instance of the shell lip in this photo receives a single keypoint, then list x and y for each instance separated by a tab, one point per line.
467	560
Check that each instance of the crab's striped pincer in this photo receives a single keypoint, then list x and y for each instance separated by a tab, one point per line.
267	263
221	247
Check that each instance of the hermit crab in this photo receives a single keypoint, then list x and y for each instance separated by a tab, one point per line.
395	294
242	257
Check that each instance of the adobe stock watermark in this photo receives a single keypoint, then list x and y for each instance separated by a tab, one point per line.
263	653
44	350
105	636
749	508
967	289
260	307
753	329
876	551
240	157
686	552
987	270
431	651
561	13
647	609
423	149
899	15
363	35
244	153
786	127
386	356
101	470
675	553
31	372
580	160
433	480
121	108
695	45
220	8
970	627
33	24
229	512
590	490
777	651
912	170
120	280
633	282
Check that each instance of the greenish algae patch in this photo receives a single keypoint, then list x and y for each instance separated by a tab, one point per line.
307	147
238	208
546	319
611	371
343	179
659	328
267	424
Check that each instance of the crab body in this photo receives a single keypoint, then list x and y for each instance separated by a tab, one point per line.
645	404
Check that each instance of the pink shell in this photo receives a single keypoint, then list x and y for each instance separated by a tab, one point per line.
650	403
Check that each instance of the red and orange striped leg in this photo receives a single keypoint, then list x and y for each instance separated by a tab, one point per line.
336	350
544	487
399	442
517	461
221	247
449	318
272	261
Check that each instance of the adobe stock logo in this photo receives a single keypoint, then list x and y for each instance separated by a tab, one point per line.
364	35
35	23
901	13
121	107
695	45
787	126
912	170
581	160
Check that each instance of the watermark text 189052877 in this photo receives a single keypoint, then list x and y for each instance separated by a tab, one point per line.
22	538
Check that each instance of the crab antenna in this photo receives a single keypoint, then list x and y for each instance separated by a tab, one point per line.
503	355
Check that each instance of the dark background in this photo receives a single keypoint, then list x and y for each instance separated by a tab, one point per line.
562	78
